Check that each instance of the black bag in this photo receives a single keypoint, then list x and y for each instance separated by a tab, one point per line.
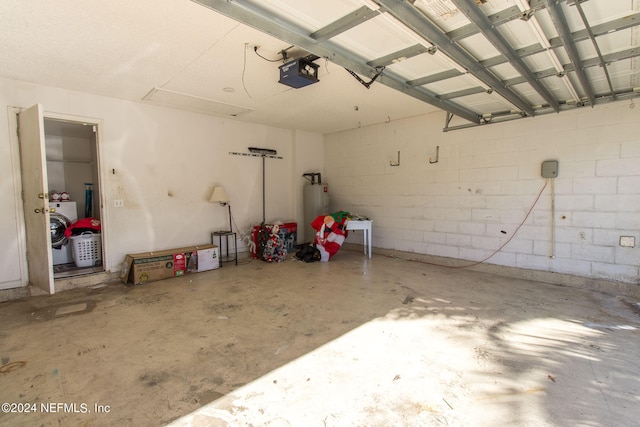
308	253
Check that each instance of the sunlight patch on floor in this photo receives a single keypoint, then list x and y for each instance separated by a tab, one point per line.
407	369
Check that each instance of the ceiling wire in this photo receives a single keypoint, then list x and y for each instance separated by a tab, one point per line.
283	54
255	49
244	69
326	65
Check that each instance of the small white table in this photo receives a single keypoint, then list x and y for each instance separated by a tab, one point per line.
366	227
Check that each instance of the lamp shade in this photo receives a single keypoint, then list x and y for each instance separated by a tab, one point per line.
219	195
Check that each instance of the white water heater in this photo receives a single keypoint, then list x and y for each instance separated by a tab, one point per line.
316	202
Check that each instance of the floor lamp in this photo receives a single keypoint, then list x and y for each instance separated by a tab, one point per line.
220	196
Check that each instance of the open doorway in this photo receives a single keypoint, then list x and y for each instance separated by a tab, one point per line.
73	153
74	194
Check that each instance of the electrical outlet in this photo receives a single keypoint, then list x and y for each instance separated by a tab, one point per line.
118	203
627	241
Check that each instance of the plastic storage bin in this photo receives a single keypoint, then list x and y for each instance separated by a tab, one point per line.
87	249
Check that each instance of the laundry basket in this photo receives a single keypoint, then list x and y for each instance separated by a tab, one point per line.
87	249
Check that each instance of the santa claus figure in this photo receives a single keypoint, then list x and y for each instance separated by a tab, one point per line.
330	236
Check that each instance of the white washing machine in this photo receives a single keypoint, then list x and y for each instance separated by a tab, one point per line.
66	213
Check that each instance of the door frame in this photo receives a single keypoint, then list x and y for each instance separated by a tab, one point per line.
17	190
17	179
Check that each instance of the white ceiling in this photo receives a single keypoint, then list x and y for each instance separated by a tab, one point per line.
180	53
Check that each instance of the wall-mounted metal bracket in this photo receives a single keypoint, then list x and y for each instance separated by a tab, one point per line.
447	121
397	163
437	156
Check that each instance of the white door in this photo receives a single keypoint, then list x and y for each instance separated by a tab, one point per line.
36	198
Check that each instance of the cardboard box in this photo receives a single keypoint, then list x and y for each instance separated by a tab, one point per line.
289	234
208	259
151	266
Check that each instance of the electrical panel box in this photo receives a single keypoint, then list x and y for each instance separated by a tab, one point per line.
550	169
298	73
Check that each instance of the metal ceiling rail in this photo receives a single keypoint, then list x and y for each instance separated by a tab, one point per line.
496	19
345	23
414	19
598	30
400	55
253	15
623	23
612	57
560	22
603	64
587	63
522	52
508	15
444	75
473	13
508	116
619	24
502	17
463	92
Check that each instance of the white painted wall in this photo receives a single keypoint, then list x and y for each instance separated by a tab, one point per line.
164	164
486	180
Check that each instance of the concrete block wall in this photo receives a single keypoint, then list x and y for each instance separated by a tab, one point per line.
476	197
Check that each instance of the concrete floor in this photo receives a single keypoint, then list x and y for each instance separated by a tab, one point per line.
352	342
